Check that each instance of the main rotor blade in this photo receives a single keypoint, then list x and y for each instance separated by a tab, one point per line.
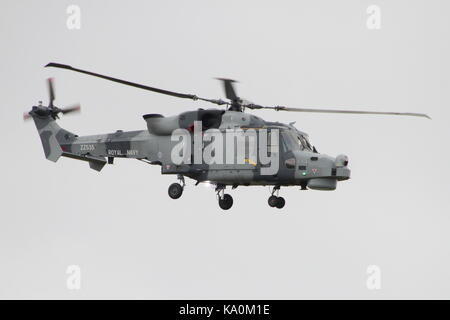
282	108
230	93
137	85
51	91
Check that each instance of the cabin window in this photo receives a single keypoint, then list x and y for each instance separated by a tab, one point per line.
272	146
290	141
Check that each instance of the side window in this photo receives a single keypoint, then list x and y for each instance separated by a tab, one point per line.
291	142
301	143
251	148
272	146
284	144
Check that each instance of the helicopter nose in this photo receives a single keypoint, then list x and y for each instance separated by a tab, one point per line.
341	161
326	171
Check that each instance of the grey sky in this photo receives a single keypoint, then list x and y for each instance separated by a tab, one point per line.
132	241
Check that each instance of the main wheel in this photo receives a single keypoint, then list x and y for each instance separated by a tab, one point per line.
272	201
175	190
226	203
280	202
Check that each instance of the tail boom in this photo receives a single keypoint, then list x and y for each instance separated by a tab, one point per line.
94	149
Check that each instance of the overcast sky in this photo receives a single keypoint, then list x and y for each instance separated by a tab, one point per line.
132	241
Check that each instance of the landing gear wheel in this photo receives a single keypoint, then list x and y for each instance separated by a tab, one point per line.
280	202
272	201
175	190
226	203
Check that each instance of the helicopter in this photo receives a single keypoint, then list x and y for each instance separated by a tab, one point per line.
168	142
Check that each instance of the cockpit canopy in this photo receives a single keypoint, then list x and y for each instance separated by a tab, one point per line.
296	141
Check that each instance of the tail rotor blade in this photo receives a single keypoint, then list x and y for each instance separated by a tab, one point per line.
26	116
75	108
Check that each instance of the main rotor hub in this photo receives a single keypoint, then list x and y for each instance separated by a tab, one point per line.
236	105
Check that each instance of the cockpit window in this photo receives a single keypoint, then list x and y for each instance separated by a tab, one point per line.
289	141
304	142
296	142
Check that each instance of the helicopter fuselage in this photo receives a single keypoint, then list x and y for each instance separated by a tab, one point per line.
294	161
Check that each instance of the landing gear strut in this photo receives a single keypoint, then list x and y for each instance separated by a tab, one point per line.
225	200
176	189
275	201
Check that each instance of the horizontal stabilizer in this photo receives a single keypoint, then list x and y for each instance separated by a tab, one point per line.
96	163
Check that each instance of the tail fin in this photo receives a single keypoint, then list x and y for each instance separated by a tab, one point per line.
52	135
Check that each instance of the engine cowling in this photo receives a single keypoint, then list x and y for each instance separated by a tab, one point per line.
159	125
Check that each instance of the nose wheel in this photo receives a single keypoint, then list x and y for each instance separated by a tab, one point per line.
275	201
176	189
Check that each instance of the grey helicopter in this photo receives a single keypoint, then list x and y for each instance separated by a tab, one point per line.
179	143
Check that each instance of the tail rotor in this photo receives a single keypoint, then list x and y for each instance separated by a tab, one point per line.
51	109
